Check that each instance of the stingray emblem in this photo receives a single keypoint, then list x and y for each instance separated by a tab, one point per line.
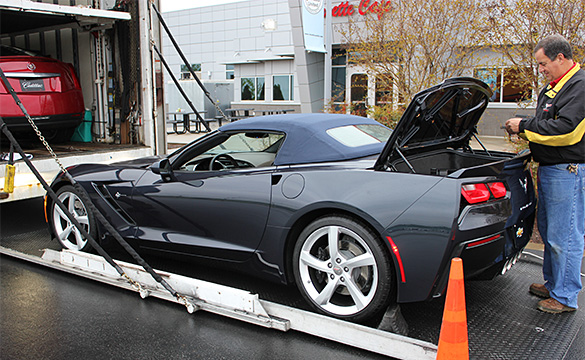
520	232
524	184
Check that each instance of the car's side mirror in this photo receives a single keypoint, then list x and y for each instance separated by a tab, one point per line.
162	168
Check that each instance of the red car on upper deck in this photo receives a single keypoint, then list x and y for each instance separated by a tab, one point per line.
49	90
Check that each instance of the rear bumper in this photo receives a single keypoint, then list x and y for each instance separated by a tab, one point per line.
64	121
486	257
42	105
485	261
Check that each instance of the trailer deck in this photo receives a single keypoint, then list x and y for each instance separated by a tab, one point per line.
27	186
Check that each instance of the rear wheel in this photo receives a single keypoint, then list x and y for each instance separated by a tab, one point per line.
68	235
342	269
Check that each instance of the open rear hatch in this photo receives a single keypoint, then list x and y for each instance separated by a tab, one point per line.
439	118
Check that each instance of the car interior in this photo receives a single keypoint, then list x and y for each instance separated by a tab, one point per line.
238	150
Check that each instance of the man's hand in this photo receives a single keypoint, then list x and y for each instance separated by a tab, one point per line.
513	125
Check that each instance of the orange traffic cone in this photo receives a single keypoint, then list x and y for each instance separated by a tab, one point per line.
453	343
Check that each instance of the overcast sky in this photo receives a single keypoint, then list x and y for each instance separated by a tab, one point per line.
172	5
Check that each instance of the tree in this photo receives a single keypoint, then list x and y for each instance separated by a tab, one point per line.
516	26
416	44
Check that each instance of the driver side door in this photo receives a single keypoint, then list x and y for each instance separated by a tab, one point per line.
219	213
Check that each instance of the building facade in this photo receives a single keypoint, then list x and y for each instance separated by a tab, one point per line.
251	54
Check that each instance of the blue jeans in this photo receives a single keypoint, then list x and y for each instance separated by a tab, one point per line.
561	223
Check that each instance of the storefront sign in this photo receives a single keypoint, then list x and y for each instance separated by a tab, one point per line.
313	6
313	25
365	7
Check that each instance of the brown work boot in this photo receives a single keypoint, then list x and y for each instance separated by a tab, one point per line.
552	306
539	290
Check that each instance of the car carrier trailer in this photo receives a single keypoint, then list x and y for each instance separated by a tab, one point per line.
110	45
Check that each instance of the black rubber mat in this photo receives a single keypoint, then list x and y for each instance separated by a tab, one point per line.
503	322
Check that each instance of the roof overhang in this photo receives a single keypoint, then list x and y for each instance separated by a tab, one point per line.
259	60
19	17
240	62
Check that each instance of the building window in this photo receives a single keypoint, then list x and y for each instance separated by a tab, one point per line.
260	89
338	73
359	94
229	72
253	88
283	87
505	84
384	89
186	74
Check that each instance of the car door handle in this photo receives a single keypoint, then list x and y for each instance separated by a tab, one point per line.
195	183
276	179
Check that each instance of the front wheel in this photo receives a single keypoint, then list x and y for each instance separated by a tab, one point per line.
342	269
67	234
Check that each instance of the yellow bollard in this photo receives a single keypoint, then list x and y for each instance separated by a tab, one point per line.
9	179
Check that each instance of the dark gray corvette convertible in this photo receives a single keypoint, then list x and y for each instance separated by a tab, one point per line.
357	215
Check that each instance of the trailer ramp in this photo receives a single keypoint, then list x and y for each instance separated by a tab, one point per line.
234	303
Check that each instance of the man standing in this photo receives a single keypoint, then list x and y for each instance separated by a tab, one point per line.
556	140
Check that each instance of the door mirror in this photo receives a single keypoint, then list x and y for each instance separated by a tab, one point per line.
162	168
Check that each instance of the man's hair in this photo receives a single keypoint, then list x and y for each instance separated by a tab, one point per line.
553	45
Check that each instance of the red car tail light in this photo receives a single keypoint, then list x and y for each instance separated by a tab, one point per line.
475	193
498	189
74	78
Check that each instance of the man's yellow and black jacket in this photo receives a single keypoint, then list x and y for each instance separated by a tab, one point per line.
556	132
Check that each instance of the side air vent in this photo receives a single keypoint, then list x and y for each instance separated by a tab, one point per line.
105	193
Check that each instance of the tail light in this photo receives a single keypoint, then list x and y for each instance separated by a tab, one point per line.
498	189
475	193
76	83
480	192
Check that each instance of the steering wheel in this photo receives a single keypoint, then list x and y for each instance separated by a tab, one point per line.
222	156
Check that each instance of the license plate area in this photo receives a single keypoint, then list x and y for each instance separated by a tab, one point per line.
29	85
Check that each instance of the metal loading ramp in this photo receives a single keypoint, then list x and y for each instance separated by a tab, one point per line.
503	322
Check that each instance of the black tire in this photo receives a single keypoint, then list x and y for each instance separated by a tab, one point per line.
58	136
66	233
330	280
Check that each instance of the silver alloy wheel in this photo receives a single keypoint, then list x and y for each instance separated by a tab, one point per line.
67	234
338	270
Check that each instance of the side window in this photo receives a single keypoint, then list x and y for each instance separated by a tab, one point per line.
283	87
238	151
186	74
229	72
507	84
252	88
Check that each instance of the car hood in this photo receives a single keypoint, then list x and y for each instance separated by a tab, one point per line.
138	163
443	116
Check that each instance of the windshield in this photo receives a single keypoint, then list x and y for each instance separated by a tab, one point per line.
247	142
6	50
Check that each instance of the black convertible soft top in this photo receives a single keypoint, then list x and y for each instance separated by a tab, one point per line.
307	139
